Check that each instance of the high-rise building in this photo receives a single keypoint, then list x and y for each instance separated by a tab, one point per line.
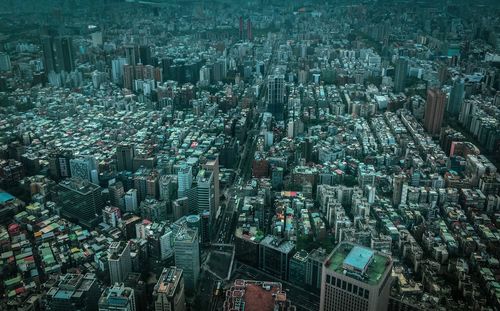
274	256
257	295
85	168
206	193
276	95
401	72
212	165
184	180
314	268
130	201
168	293
397	184
297	269
5	64
355	278
125	157
80	200
117	70
241	27
456	97
434	111
58	54
117	298
116	194
119	261
249	30
187	255
132	55
73	292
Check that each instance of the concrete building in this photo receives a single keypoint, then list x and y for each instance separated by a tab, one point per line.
355	278
117	298
119	261
206	193
80	200
257	296
274	255
276	95
73	292
434	111
187	255
168	293
184	180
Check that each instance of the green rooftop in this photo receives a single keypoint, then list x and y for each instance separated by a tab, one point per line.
375	269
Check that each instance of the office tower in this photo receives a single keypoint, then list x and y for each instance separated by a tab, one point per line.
241	27
249	30
117	298
355	278
184	180
79	200
297	269
117	70
134	281
187	255
257	295
128	76
49	59
85	168
314	268
168	293
119	261
397	184
125	157
206	193
401	71
132	55
166	187
73	292
276	95
212	165
434	111
58	54
59	164
130	201
5	64
116	194
456	97
274	256
145	55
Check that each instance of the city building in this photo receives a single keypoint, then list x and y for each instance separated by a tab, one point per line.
184	180
276	95
117	298
187	255
401	72
257	296
434	111
119	261
73	292
355	278
79	200
274	255
168	293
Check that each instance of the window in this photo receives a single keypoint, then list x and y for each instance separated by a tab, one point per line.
338	283
349	287
333	281
328	279
344	284
360	292
367	294
355	289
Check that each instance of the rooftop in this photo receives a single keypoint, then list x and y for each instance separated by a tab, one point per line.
358	262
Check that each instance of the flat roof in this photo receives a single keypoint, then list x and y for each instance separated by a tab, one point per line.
359	258
4	197
375	268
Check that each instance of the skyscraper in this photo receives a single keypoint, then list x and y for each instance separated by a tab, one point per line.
397	184
58	54
276	95
456	97
168	293
241	27
117	70
434	111
401	71
187	255
119	261
84	167
212	165
125	157
355	278
249	30
184	180
117	298
206	193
